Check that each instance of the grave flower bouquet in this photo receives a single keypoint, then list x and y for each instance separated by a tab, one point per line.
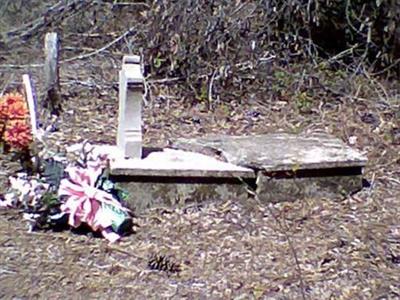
70	193
89	197
58	192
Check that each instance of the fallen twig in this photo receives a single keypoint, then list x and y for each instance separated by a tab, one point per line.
165	80
131	4
86	55
210	89
115	248
13	66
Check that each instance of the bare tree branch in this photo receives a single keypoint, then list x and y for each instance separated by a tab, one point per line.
55	13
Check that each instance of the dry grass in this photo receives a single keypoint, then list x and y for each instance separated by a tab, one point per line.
346	250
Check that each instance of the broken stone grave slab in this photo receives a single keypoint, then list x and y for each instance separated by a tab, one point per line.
170	177
288	166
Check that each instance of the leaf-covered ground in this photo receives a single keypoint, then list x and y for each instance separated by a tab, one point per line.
345	249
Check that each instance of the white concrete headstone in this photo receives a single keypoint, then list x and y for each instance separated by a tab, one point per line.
129	137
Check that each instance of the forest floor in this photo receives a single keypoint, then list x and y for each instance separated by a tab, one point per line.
316	248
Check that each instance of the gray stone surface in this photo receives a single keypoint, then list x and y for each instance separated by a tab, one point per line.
287	167
274	190
279	151
177	178
150	192
178	163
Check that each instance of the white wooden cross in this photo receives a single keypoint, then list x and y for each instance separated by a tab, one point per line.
30	96
129	137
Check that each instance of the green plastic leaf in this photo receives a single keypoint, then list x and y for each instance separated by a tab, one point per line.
53	173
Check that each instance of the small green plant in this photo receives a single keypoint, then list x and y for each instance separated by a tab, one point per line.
157	62
303	102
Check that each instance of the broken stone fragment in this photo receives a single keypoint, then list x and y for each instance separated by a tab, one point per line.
289	166
278	151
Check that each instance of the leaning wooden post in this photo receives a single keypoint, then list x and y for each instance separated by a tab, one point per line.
129	137
52	84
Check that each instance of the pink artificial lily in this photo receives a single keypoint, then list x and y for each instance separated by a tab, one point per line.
85	201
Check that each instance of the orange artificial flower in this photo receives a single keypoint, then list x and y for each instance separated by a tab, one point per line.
18	135
14	115
13	106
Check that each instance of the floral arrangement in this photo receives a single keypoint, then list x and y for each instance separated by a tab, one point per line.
15	132
91	198
71	193
59	192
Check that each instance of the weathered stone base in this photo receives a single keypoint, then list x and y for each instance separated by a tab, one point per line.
331	184
149	192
